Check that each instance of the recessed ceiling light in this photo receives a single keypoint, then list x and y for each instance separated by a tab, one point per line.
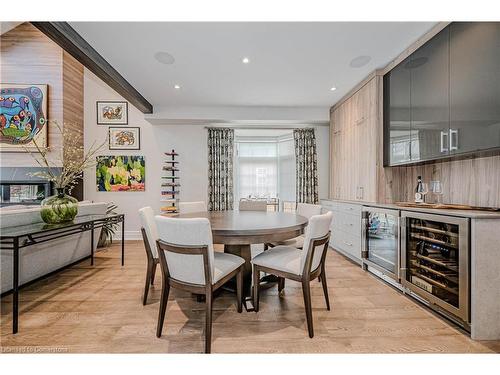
177	87
164	58
333	88
245	60
359	61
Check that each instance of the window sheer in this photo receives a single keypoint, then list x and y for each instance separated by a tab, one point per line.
265	169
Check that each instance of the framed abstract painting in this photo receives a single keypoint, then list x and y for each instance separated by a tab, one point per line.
124	138
23	117
120	173
112	113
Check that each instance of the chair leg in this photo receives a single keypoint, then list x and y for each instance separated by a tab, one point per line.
325	288
239	287
306	291
163	306
148	278
256	284
281	284
153	272
208	323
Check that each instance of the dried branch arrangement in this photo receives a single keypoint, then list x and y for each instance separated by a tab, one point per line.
71	156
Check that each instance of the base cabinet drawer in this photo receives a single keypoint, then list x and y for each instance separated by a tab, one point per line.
346	242
348	208
347	222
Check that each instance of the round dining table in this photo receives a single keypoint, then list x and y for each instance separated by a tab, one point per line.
237	230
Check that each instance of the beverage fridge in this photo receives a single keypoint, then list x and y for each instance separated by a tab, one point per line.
435	262
380	240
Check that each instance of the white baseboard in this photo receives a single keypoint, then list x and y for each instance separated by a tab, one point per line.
129	235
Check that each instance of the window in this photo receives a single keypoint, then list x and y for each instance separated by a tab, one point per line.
265	168
257	169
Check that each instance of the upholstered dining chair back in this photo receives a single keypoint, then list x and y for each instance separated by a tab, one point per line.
188	207
308	210
186	232
253	205
149	224
319	226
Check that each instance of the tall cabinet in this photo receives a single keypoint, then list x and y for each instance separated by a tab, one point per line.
354	129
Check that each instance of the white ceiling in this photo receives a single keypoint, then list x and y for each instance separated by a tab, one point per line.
291	64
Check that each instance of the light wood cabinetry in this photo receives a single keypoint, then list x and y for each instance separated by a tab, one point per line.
354	144
345	228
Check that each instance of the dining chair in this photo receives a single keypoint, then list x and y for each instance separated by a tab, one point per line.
303	209
188	207
149	236
188	262
287	262
253	205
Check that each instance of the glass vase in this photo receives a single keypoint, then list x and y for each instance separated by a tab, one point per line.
59	208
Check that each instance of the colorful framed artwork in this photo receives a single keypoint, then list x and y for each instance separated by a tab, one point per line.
23	117
124	138
112	113
120	173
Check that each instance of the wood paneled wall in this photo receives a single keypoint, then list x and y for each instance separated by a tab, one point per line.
473	181
28	56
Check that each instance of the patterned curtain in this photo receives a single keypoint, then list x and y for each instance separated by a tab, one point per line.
220	169
306	165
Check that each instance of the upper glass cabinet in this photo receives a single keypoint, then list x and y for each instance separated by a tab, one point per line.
474	86
444	99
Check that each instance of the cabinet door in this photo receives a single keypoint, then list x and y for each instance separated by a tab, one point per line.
429	93
397	138
364	142
474	86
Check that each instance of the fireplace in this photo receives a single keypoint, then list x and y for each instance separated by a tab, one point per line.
18	188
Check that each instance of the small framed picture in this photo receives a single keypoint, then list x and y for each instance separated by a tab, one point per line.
112	113
124	138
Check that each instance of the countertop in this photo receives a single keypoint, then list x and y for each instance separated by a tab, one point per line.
473	214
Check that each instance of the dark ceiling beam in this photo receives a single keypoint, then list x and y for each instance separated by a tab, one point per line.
72	42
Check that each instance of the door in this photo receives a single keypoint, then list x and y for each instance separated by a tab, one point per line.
397	137
435	260
429	93
474	86
381	240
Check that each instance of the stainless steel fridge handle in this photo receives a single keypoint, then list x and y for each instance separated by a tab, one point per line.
402	247
364	227
444	144
398	246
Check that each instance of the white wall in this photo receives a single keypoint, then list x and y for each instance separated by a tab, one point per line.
190	141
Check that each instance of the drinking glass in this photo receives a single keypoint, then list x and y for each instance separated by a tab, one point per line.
437	189
424	190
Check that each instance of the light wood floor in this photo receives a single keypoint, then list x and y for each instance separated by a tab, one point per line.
99	309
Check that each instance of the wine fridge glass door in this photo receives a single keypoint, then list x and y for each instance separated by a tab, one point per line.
382	237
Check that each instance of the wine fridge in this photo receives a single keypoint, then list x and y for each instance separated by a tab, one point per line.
435	262
380	240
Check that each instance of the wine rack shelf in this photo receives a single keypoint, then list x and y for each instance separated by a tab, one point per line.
170	187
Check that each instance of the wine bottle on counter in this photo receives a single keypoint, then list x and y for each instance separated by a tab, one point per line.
419	197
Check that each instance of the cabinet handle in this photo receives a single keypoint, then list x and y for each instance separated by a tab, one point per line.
347	243
361	192
453	136
444	144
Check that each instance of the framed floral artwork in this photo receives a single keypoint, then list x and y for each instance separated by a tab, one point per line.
112	113
124	138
